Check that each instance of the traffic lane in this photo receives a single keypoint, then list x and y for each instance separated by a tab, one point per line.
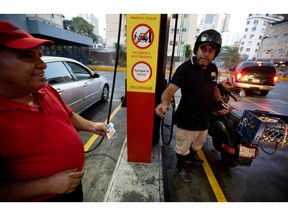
275	102
264	181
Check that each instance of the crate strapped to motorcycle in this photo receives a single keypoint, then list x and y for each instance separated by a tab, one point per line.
262	129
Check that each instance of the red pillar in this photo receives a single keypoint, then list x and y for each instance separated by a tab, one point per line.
142	56
140	119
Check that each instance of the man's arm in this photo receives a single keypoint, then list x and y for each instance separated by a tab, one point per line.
217	94
166	98
82	124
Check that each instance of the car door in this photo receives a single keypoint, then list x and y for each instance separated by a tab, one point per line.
91	86
58	76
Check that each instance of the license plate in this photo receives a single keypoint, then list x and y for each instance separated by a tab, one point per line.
255	80
247	152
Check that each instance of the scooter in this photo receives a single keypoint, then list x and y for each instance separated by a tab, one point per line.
238	138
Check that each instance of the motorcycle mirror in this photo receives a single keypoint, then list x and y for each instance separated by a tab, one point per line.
242	93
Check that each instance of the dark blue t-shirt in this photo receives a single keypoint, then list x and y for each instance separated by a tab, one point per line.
197	89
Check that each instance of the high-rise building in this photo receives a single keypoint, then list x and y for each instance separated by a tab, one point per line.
254	32
185	34
208	21
274	46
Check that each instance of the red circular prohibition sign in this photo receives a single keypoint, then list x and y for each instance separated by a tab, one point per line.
142	36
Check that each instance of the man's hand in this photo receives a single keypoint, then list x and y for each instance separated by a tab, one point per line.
161	109
65	181
100	129
222	108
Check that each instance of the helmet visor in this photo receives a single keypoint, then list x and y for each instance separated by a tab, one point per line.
213	38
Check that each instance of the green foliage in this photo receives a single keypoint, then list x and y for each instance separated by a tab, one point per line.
229	55
188	51
80	26
121	54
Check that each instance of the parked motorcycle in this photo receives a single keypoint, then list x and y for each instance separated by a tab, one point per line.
238	138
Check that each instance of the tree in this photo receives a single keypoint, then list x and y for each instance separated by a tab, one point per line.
228	57
80	26
121	54
234	56
188	51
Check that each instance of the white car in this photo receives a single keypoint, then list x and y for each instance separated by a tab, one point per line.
78	86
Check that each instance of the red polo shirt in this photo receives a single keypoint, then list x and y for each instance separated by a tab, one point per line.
37	143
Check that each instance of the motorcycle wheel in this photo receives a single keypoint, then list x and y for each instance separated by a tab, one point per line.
222	133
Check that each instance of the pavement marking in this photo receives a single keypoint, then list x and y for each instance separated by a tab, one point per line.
92	139
262	106
212	179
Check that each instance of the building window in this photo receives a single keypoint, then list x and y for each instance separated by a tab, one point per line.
247	49
256	21
246	29
171	43
254	29
280	52
173	29
251	36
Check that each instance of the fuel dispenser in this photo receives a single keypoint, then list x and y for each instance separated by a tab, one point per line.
147	39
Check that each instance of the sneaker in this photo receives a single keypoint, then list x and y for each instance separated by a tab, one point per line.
183	174
192	157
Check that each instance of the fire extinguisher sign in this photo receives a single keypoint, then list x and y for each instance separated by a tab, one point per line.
142	51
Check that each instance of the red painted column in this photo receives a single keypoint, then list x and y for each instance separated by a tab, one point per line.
140	119
142	58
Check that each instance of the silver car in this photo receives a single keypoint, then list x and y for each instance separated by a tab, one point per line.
78	86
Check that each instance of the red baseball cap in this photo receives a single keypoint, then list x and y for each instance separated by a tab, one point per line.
13	36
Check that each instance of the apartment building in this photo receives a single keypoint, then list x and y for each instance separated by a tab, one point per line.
254	33
274	46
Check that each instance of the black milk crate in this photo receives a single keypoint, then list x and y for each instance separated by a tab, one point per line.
261	128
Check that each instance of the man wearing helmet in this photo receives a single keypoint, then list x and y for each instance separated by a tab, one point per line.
197	79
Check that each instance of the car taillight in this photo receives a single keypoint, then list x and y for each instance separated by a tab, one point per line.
238	76
276	78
